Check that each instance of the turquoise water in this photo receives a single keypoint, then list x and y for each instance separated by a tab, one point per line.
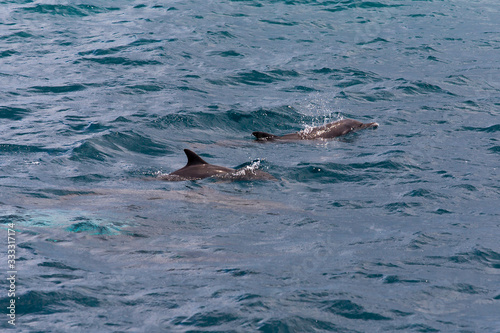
393	229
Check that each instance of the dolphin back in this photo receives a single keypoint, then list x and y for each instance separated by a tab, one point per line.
263	136
328	131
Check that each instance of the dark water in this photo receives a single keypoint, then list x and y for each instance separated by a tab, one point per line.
394	229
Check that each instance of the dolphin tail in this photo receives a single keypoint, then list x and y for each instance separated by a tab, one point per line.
263	136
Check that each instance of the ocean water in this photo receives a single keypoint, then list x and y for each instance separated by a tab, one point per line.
389	230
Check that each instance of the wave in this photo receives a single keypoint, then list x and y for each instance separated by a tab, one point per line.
7	53
349	73
143	88
56	265
300	89
424	193
93	228
489	129
299	324
495	149
226	54
207	319
21	35
274	119
119	61
117	49
13	113
255	78
353	172
67	10
58	89
13	148
351	310
420	88
274	22
112	144
486	257
48	302
354	4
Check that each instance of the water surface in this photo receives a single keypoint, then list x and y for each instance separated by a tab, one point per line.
394	229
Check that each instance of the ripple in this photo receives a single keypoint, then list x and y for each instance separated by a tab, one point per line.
59	278
58	89
144	88
17	36
301	89
416	328
13	113
495	149
421	88
254	78
117	49
236	272
465	288
225	54
489	129
82	125
421	240
221	34
424	193
120	61
486	257
298	324
64	192
442	211
351	310
352	204
13	148
190	88
233	120
252	302
346	5
207	319
257	78
47	302
7	53
66	10
459	80
115	143
87	151
349	74
405	208
274	22
374	41
352	172
332	172
57	265
468	187
131	141
396	279
93	228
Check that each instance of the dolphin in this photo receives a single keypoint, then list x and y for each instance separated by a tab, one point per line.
328	131
198	168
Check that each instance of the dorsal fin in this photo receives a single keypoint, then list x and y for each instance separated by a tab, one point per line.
193	158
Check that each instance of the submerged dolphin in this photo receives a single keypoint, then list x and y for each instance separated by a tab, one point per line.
197	168
328	131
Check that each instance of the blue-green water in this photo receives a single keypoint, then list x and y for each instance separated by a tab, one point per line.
395	229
